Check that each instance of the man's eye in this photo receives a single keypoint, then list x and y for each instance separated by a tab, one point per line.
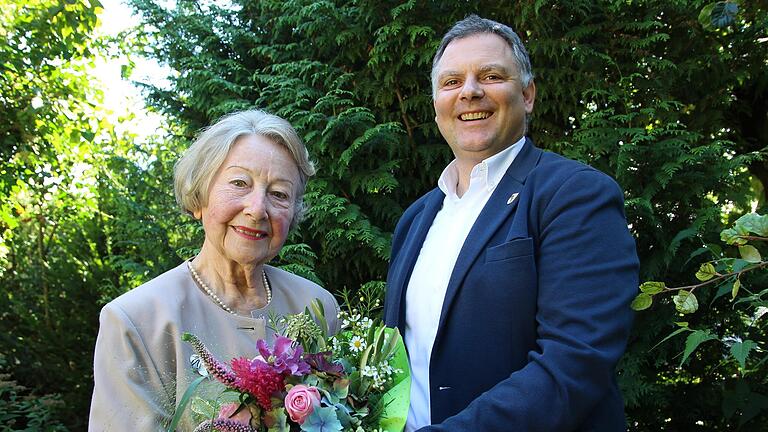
451	82
493	77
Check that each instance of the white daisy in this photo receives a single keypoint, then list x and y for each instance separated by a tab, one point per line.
357	344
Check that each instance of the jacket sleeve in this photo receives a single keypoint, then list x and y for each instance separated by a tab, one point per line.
128	394
587	275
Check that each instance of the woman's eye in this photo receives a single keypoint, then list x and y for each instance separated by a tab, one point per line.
280	195
238	183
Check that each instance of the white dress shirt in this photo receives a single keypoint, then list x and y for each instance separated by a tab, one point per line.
432	271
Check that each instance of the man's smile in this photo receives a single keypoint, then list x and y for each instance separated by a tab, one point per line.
478	115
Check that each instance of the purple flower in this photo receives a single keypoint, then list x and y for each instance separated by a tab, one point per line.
285	358
320	363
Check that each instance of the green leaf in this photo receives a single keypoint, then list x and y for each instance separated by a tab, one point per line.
724	14
341	388
705	16
685	302
683	328
750	254
706	272
185	399
753	223
281	420
694	340
738	265
641	302
203	407
740	351
652	287
722	289
732	237
735	288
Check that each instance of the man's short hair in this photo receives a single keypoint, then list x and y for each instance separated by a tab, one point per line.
194	171
473	25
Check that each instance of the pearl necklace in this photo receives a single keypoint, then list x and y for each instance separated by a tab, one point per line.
213	295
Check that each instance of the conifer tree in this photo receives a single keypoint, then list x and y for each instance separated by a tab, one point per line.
666	97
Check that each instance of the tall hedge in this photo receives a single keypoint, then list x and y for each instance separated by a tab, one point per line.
668	97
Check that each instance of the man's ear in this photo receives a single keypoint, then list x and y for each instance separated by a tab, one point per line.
529	97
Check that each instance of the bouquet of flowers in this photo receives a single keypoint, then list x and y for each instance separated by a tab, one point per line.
357	380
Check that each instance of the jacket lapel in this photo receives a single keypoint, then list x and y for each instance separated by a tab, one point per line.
499	207
410	252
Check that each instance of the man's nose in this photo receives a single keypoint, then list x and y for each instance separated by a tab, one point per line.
471	89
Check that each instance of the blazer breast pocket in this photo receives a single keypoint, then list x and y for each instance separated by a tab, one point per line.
511	249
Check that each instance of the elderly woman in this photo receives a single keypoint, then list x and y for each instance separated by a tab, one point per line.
243	178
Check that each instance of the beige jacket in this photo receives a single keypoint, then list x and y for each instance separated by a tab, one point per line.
141	365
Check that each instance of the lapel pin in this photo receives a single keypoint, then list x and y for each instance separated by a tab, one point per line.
512	198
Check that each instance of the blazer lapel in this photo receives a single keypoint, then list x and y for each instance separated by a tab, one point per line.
410	252
499	207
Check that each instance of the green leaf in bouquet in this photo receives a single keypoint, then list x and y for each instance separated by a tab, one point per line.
319	311
311	381
322	419
204	408
355	382
184	402
378	344
397	399
364	357
341	388
390	346
277	421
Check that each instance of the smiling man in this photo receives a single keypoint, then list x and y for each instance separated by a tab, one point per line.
511	281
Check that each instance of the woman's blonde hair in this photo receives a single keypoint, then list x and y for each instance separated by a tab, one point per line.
194	171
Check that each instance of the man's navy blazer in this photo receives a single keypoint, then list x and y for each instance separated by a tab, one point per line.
536	314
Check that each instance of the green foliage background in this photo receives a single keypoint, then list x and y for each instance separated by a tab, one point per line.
654	93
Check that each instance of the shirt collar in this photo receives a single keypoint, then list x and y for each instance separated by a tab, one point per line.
486	174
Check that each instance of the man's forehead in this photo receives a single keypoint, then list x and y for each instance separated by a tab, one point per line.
477	46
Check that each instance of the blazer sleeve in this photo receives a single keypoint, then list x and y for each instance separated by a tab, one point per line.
587	274
128	394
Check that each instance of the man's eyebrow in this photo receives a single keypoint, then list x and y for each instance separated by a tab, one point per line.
494	67
447	73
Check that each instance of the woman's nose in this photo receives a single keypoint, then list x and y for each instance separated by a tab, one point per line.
255	205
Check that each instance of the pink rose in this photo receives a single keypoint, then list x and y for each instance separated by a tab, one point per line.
300	402
244	416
